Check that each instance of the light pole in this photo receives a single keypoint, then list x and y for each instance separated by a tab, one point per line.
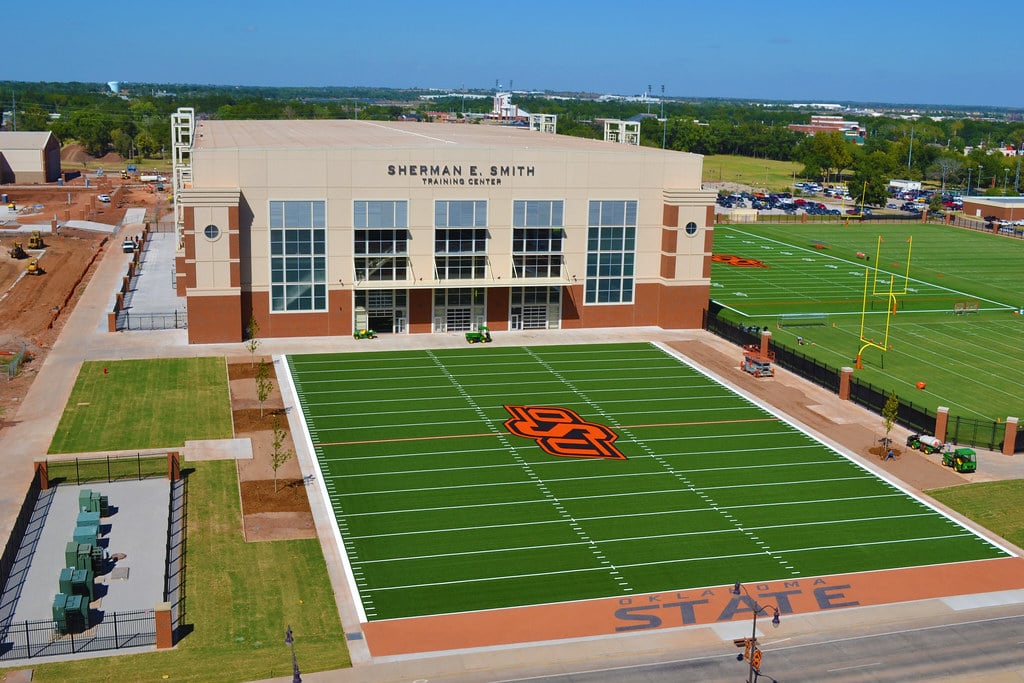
755	654
296	678
663	122
1006	176
969	169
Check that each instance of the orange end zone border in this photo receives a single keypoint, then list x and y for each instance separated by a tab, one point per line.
697	607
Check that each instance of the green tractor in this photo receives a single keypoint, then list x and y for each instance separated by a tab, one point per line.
364	334
481	336
962	460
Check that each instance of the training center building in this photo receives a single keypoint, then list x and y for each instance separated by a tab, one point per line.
319	228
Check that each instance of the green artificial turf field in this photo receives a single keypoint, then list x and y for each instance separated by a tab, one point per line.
443	471
967	361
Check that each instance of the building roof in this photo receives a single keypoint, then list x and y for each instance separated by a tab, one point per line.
1004	202
24	139
377	135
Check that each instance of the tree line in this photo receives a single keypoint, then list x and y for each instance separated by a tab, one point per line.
951	150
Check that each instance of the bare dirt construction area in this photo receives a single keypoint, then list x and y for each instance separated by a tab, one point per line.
33	308
270	511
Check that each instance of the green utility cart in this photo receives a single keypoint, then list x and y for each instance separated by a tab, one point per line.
481	336
962	460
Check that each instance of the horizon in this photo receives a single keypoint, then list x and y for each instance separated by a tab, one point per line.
876	53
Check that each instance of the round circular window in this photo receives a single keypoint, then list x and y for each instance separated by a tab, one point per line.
211	232
691	228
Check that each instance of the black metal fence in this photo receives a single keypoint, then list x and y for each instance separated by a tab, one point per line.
18	529
109	468
175	320
827	218
115	630
964	431
175	587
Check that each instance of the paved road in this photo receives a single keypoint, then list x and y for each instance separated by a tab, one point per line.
989	648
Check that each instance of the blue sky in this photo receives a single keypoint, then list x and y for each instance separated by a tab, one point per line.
935	52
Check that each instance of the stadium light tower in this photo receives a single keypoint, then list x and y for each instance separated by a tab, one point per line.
663	122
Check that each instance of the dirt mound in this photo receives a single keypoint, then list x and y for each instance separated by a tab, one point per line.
111	158
74	153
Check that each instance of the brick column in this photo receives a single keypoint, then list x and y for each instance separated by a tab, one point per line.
111	322
1010	436
766	338
164	629
173	466
44	476
941	420
845	375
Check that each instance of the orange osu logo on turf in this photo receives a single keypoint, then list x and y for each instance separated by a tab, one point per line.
561	432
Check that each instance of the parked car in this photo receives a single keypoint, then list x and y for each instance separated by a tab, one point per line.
105	198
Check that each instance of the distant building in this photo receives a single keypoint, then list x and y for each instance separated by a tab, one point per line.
851	130
1002	208
29	157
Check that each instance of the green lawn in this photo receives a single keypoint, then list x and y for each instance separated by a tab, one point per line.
964	360
777	176
444	507
993	505
135	404
240	599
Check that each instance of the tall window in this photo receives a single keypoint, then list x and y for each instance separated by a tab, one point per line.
460	240
537	238
381	239
611	252
298	256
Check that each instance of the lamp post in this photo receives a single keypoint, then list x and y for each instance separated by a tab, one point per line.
755	654
969	169
663	122
296	678
1006	176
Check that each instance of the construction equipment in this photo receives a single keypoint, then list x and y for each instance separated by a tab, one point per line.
36	240
924	443
757	362
18	251
481	336
125	175
364	334
962	460
33	267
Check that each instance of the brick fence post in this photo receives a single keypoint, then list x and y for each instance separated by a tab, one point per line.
845	375
1010	436
164	628
44	476
766	338
173	466
941	420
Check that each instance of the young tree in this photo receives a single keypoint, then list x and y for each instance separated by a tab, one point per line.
279	455
264	385
253	342
889	411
